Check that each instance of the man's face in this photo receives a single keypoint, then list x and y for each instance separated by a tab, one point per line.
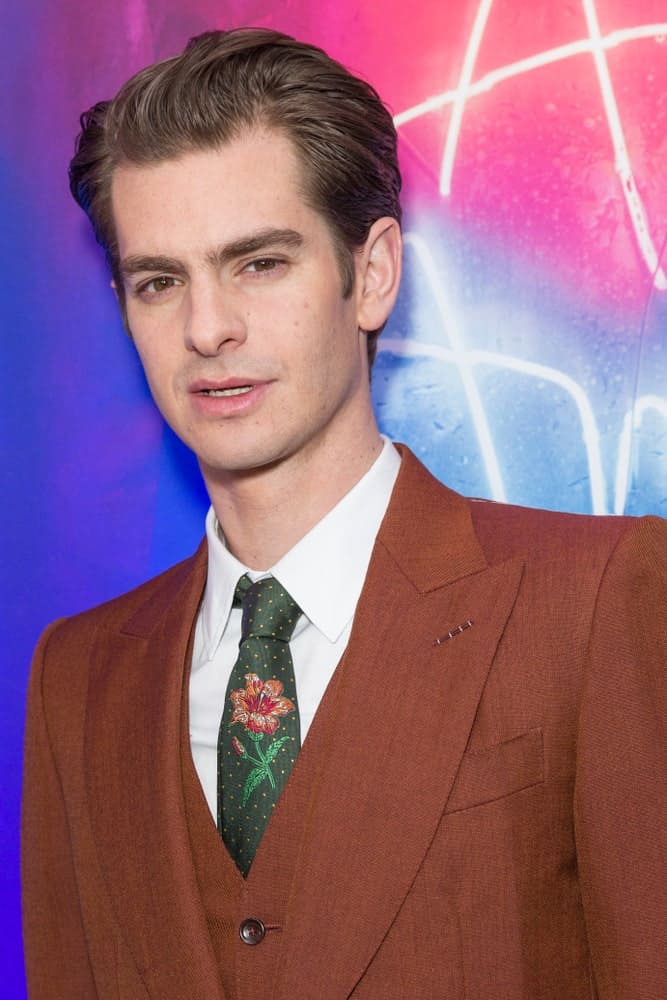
234	300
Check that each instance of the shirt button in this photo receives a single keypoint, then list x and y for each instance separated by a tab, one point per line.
252	931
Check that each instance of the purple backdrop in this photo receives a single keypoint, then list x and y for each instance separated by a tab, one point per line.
526	359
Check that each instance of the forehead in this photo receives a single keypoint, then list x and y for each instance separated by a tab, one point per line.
254	181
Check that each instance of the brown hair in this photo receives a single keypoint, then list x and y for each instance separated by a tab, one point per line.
225	82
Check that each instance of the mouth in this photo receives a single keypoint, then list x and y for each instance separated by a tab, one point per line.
238	390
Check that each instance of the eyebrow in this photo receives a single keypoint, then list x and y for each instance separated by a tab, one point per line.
261	241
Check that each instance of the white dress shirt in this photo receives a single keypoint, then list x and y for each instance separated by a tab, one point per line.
324	572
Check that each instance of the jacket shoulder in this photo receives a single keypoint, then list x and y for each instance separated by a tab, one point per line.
497	511
156	592
506	529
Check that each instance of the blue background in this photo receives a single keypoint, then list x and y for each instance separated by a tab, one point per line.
526	359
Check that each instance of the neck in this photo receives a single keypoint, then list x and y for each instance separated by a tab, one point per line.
264	512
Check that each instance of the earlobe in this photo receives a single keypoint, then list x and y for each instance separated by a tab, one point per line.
378	273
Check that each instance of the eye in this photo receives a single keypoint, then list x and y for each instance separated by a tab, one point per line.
264	264
157	286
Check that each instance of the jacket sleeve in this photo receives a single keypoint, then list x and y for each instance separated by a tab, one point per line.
56	956
621	784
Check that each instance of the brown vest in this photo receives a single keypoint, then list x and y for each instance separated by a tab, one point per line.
247	971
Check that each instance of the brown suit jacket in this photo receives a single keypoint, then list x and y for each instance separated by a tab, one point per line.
489	820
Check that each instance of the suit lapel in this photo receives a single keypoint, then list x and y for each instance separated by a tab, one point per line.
403	708
135	789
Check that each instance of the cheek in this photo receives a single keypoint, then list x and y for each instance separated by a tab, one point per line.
157	370
326	329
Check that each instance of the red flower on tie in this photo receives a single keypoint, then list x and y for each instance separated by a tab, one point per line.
258	706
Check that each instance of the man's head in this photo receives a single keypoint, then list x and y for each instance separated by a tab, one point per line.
225	84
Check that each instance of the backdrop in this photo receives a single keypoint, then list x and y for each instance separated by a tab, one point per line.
526	360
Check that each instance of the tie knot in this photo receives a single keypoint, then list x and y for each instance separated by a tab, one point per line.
268	610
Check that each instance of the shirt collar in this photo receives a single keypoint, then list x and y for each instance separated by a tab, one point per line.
324	572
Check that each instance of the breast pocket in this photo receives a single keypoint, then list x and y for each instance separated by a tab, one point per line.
497	771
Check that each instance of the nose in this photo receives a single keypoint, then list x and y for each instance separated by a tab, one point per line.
213	322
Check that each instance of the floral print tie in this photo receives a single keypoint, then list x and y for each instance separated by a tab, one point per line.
259	735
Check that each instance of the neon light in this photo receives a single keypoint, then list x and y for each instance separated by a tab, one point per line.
461	358
622	157
595	45
461	96
632	423
590	434
491	80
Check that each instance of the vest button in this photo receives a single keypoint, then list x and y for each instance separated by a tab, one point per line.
252	931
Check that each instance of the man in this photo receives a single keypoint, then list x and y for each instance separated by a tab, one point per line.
442	772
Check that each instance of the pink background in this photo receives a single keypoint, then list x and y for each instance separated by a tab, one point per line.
526	359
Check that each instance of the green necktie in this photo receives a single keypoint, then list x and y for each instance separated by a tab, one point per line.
259	734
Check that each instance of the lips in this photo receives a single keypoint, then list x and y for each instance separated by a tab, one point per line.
236	391
224	387
229	397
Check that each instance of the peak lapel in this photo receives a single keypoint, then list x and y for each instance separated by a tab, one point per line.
403	711
135	789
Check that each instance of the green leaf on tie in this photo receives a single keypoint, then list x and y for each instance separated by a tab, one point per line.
255	778
274	747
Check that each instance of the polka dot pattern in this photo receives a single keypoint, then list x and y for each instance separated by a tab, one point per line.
259	735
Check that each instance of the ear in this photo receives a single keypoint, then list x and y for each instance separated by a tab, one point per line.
378	273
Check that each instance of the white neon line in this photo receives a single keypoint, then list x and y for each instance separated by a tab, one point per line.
589	428
595	45
622	482
461	97
496	76
632	422
493	78
590	434
622	157
461	359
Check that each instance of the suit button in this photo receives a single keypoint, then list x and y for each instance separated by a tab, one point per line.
252	931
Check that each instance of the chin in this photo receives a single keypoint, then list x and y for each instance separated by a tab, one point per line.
239	463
